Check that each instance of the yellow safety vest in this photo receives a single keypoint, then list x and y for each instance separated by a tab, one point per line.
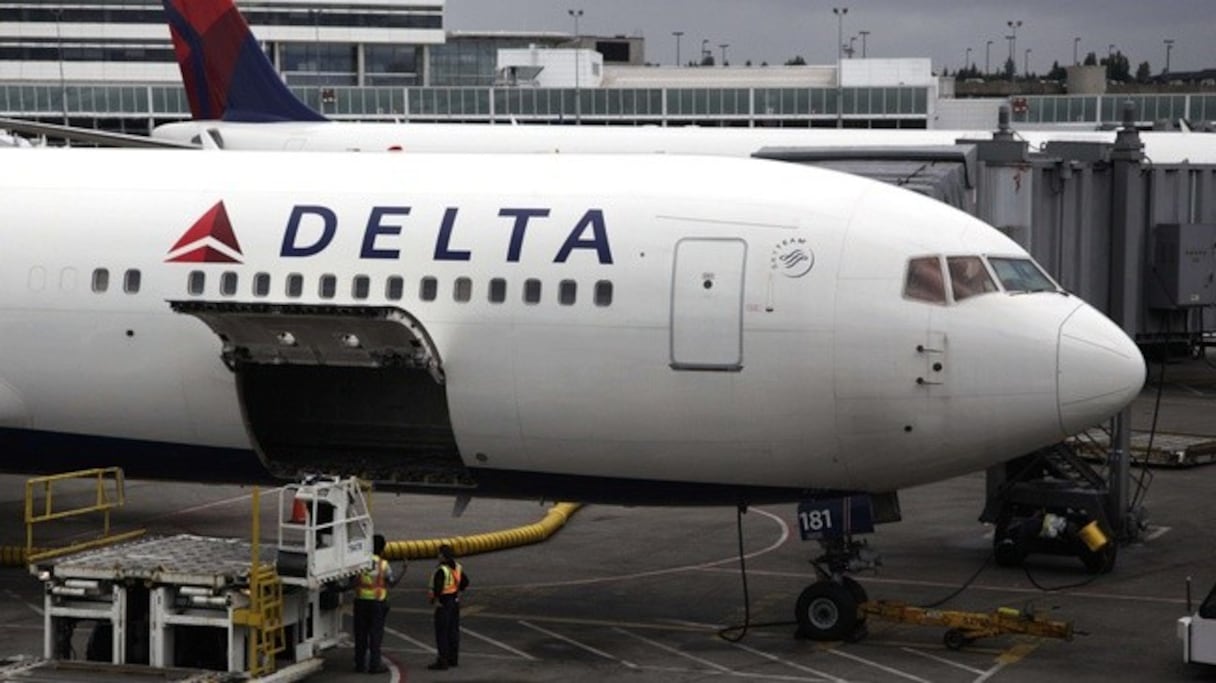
451	579
373	583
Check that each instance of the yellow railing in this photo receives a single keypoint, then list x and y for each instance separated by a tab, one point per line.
40	499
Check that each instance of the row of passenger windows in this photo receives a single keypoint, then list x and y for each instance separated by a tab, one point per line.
462	290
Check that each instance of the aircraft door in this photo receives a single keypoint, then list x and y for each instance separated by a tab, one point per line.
707	304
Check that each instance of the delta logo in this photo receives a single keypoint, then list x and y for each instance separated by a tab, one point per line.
209	240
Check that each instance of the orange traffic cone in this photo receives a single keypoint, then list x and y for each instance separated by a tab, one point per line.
299	511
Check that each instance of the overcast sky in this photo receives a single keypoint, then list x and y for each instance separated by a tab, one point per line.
942	30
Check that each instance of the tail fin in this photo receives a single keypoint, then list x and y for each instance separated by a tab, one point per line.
225	72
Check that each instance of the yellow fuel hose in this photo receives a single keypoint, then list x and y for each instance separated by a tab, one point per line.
554	520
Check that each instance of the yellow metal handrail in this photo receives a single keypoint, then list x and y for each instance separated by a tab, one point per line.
108	494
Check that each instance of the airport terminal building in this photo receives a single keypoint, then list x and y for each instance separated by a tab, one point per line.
110	64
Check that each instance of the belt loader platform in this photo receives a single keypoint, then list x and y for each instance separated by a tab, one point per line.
203	604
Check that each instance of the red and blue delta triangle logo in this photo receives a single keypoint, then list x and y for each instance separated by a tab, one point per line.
209	240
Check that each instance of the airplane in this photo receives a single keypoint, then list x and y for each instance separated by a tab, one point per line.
239	101
686	331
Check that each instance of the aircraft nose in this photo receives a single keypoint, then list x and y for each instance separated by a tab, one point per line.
1100	370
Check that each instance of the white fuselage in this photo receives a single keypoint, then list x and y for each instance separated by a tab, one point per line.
330	136
719	356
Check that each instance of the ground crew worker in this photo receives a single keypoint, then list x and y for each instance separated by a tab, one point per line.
447	583
371	608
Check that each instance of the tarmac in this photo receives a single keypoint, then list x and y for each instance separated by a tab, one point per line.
642	594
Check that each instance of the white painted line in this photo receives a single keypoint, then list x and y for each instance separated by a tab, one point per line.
876	665
1156	533
991	672
943	660
775	658
412	641
782	538
575	643
496	643
12	595
667	648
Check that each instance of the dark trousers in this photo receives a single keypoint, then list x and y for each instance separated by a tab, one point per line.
447	629
369	632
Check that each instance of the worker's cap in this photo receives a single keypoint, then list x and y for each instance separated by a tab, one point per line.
446	552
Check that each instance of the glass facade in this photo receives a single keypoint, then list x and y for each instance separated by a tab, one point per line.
1107	109
469	61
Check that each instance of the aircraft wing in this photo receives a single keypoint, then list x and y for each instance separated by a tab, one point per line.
95	137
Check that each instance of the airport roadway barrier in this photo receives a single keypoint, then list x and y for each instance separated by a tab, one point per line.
554	520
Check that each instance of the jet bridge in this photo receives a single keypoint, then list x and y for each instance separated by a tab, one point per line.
339	389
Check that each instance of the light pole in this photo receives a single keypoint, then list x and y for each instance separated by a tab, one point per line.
578	94
863	35
967	60
1013	38
677	34
723	46
1012	65
1169	45
1075	43
988	58
1026	64
704	49
839	12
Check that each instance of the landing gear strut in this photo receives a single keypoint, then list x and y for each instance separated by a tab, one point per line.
828	608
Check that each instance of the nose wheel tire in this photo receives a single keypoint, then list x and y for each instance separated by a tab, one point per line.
827	610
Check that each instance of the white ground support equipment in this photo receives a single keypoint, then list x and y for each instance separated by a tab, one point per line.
1198	630
203	603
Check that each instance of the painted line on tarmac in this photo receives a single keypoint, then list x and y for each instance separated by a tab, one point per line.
876	665
667	648
774	658
782	538
575	643
975	586
412	641
498	644
943	660
1157	532
1013	655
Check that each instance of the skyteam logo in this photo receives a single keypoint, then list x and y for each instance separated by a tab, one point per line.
209	240
792	258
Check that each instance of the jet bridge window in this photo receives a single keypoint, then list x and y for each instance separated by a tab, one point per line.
360	287
1021	275
101	280
295	285
969	277
196	283
131	281
924	281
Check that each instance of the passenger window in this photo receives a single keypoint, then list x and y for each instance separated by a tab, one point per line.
394	288
532	291
327	287
924	280
498	290
196	283
429	289
131	281
261	284
567	292
603	293
464	290
101	280
228	284
295	285
1021	275
360	287
969	277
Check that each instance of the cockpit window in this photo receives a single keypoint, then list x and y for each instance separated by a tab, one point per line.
924	281
1021	275
969	277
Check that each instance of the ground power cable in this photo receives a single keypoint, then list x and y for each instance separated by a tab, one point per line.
736	632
